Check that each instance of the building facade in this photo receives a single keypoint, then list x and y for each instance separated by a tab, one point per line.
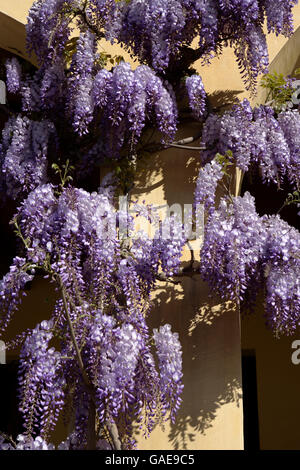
215	336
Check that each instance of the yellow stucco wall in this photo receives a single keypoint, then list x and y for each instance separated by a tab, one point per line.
17	9
12	35
211	415
278	383
222	74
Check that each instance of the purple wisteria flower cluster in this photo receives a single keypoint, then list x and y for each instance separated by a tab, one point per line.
23	154
197	96
243	252
41	381
13	75
206	186
155	31
95	361
97	102
24	442
11	288
170	363
103	308
257	137
129	98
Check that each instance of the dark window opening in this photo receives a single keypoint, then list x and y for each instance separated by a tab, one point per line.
250	403
10	417
269	198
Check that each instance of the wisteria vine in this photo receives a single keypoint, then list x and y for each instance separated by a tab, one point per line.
156	31
96	361
105	300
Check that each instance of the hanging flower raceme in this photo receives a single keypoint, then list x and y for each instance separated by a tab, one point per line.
170	364
257	137
105	299
271	150
13	75
282	271
231	131
11	289
41	381
280	20
53	88
243	252
80	102
23	154
155	30
208	179
197	96
289	123
125	99
97	103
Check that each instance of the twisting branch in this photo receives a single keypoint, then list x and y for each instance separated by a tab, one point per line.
9	439
111	426
91	426
82	13
182	143
163	277
188	140
189	270
187	147
78	354
114	434
177	144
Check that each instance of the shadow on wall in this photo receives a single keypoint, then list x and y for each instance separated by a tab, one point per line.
286	62
210	357
210	416
221	100
13	37
36	306
169	176
211	362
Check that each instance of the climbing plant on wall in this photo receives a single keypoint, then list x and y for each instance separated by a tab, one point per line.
96	358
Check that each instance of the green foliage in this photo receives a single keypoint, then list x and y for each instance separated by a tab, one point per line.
225	161
70	50
279	88
292	198
104	59
63	172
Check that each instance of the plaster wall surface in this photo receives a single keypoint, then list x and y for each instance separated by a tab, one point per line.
211	414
